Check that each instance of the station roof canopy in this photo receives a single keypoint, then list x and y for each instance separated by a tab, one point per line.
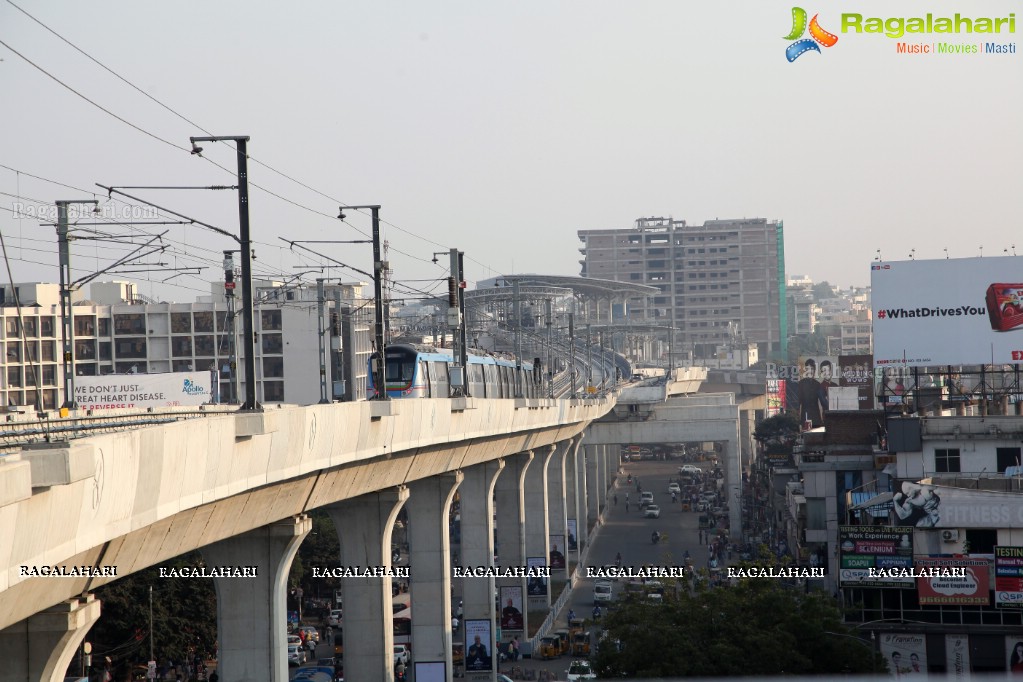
587	286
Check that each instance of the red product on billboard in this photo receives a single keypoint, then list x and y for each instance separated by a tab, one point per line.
1005	306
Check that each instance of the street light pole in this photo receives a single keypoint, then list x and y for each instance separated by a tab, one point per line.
67	321
245	245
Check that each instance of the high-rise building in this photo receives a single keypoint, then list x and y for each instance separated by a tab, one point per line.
720	282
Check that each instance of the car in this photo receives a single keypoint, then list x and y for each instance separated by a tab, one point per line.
503	678
690	469
334	619
607	573
294	639
674	488
401	654
310	633
645	498
580	670
652	511
296	654
602	592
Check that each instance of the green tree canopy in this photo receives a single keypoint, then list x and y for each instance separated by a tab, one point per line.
781	429
757	627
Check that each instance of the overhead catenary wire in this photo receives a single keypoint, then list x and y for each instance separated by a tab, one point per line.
201	128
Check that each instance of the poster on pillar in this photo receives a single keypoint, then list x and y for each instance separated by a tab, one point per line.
478	656
536	582
511	607
557	558
573	537
431	671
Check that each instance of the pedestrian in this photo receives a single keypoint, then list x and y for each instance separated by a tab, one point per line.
214	677
626	506
616	499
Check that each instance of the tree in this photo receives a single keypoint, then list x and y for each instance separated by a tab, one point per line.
823	290
781	429
184	617
758	626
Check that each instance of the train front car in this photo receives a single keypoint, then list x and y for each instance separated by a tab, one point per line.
402	373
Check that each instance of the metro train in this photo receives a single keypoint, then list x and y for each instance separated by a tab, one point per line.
420	371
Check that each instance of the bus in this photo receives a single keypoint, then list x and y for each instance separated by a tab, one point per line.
403	632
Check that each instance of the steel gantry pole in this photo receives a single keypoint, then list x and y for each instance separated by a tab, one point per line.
245	246
380	328
67	322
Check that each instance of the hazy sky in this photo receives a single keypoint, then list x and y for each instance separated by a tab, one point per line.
503	128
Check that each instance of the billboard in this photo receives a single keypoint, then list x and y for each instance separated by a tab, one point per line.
808	393
776	398
905	653
935	506
1009	577
511	607
478	641
957	656
536	585
862	548
857	371
970	589
141	391
557	555
960	311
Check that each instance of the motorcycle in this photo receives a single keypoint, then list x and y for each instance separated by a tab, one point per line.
656	537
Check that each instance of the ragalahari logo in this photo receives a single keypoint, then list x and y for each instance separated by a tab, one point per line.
817	35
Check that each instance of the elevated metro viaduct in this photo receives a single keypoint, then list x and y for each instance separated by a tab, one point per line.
671	411
238	486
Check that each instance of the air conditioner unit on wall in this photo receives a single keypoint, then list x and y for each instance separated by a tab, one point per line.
950	536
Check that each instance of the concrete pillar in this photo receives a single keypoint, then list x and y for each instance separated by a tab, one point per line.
537	526
571	513
582	503
476	495
557	511
429	506
252	613
511	522
364	527
592	484
40	648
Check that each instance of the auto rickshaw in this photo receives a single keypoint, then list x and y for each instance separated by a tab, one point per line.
458	653
549	647
581	643
576	625
564	641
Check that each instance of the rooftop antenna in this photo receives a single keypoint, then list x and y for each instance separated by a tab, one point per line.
946	253
878	257
912	254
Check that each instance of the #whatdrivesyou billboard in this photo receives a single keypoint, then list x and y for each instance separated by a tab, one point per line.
961	311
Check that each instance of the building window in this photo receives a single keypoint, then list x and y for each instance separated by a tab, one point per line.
14	351
46	326
203	321
181	346
204	345
104	326
272	343
14	376
131	348
270	320
1007	457
85	325
50	375
85	349
105	352
946	460
222	321
181	323
273	368
273	391
126	324
815	514
127	368
31	327
47	350
13	330
182	366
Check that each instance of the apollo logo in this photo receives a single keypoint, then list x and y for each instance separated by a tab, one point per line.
818	36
